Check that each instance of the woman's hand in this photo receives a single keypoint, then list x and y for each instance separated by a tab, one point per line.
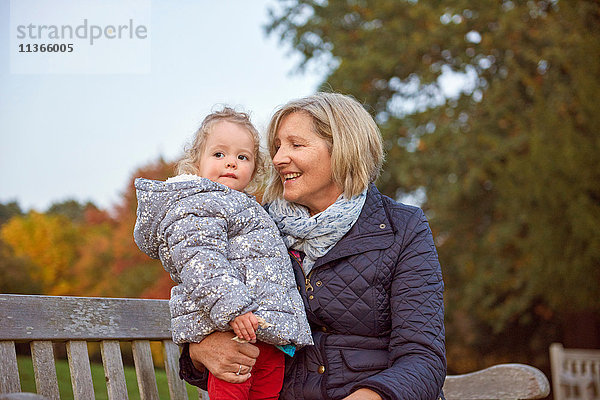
363	394
225	359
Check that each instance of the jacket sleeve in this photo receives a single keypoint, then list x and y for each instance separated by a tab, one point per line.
417	366
210	292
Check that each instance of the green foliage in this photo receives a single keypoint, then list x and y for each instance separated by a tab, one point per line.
72	209
509	166
14	271
9	210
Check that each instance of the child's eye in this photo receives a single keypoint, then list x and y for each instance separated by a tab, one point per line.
243	157
218	154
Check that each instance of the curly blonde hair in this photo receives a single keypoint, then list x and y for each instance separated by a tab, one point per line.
189	163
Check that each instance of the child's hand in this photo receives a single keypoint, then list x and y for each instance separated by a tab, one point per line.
245	326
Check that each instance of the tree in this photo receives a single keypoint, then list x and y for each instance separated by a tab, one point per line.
49	242
14	271
508	167
71	209
78	249
9	210
138	274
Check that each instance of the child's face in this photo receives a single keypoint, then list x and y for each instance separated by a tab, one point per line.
228	156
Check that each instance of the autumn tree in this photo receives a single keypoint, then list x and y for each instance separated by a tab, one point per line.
78	249
50	243
14	270
62	252
138	274
72	209
9	210
506	168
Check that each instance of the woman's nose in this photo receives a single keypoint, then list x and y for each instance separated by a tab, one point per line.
280	157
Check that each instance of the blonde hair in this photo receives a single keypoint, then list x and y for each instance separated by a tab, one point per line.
190	162
354	140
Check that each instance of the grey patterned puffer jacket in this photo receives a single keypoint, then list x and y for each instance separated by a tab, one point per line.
226	256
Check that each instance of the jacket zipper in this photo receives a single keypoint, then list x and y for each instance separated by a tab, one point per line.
307	285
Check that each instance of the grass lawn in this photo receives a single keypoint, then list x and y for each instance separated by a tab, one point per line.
66	391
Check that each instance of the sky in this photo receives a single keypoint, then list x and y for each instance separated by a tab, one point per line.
76	126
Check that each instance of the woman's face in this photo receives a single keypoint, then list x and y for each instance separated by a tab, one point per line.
304	164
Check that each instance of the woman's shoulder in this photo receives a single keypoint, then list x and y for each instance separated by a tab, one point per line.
393	207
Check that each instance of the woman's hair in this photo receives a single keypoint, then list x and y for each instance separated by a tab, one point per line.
190	162
354	140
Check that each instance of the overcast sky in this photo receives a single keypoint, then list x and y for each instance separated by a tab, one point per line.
81	135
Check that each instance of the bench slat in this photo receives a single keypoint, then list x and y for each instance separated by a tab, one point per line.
176	385
144	369
86	318
79	366
113	370
44	369
9	372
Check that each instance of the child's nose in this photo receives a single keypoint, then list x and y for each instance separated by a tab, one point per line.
231	163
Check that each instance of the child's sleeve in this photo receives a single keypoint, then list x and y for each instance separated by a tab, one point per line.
210	291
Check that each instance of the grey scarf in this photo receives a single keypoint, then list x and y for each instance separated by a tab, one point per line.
316	235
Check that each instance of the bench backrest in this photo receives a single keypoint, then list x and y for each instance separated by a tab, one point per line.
575	373
42	320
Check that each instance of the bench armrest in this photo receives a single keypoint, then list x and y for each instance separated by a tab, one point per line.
503	381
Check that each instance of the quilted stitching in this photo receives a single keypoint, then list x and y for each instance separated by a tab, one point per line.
387	297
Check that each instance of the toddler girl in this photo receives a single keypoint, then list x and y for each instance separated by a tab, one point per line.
225	254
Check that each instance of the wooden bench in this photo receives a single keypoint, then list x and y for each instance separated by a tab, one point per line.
42	320
575	373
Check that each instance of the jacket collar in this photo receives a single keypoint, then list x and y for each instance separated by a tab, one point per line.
372	231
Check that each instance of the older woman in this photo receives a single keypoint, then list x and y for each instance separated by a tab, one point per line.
366	266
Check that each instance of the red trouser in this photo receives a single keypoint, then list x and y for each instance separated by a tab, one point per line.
264	383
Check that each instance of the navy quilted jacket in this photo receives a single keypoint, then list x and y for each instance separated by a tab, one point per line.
375	305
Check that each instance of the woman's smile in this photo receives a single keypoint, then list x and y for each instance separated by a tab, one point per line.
290	176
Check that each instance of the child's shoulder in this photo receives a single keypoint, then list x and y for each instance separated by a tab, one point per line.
206	194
